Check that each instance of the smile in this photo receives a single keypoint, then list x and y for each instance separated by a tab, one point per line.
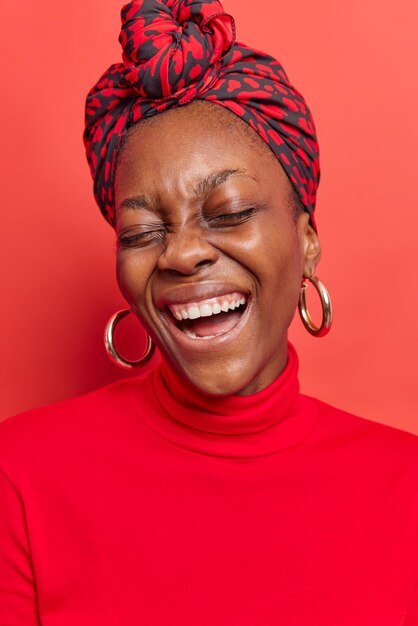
216	319
206	308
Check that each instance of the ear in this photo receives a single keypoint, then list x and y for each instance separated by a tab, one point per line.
310	248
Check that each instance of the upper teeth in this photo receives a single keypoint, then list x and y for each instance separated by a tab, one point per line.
205	308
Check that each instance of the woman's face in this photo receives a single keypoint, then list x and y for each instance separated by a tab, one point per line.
210	256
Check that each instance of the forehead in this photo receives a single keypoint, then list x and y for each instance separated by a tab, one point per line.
182	145
204	115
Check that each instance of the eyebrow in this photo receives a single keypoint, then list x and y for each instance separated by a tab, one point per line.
210	182
202	189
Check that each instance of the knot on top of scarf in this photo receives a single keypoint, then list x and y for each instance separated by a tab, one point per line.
177	51
171	44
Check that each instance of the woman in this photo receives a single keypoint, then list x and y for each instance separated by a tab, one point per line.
208	491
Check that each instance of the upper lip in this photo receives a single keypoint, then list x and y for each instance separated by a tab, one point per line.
185	294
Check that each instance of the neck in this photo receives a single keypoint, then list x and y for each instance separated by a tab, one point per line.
236	425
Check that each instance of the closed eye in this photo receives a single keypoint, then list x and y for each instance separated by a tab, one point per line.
231	219
140	239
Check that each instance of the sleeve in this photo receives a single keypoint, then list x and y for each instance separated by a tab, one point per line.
18	603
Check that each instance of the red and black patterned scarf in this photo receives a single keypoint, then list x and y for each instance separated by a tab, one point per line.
175	51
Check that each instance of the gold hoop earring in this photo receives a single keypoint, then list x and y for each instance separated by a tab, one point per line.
323	329
111	350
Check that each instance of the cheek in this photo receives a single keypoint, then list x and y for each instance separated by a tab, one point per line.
268	249
279	274
132	274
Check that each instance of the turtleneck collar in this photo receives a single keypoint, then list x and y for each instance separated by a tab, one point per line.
274	419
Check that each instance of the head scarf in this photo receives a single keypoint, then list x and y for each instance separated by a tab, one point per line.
176	51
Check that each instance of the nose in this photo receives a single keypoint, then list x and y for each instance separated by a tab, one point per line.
187	252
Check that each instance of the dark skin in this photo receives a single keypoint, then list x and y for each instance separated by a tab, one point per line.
178	242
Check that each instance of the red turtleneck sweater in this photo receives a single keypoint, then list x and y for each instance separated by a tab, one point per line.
144	503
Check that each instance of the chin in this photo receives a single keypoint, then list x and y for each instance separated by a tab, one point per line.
245	368
219	384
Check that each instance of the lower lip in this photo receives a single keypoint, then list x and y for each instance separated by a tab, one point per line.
203	345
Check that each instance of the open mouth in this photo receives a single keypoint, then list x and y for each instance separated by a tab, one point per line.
209	318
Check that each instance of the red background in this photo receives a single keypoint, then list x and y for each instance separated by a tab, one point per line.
356	65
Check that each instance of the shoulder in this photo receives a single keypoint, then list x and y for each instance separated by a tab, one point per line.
343	421
359	437
34	419
68	424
